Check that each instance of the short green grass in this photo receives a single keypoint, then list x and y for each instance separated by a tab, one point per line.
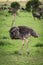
9	49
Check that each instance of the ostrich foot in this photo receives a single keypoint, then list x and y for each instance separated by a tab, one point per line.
27	52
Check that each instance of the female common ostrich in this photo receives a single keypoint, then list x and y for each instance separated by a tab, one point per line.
36	14
22	32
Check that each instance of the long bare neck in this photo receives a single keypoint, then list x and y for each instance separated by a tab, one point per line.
12	24
13	20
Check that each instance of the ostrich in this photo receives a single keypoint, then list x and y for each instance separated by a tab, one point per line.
36	14
22	33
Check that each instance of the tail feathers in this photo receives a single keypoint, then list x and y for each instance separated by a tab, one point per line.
34	34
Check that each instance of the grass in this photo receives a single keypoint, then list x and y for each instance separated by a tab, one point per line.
9	49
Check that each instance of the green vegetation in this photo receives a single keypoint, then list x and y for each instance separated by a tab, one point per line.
32	5
28	6
9	49
15	6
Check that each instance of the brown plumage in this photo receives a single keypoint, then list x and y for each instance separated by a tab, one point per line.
36	14
22	32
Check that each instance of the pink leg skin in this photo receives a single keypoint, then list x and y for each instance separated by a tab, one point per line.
22	46
27	46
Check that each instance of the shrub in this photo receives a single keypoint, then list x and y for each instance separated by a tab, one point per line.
28	6
15	5
35	3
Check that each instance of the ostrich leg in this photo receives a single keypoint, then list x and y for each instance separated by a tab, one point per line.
27	46
22	46
13	20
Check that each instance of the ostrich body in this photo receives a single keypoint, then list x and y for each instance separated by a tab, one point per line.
22	32
36	14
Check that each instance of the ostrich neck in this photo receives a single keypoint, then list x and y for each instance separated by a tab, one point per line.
13	20
12	24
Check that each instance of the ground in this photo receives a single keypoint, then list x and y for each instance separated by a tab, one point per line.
9	49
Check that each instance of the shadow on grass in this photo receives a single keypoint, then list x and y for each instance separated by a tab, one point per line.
39	45
3	43
2	19
4	37
15	53
6	15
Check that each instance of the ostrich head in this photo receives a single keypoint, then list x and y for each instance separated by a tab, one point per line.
14	32
34	34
